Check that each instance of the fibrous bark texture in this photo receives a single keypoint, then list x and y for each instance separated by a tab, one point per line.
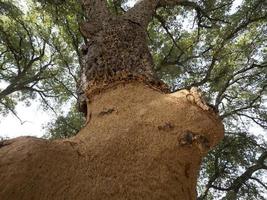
139	144
116	50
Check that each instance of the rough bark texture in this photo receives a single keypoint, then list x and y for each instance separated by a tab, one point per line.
139	144
116	50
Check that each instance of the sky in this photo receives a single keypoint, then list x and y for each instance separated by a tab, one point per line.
34	117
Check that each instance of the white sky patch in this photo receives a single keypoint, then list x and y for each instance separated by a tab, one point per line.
258	131
235	6
33	118
131	3
23	5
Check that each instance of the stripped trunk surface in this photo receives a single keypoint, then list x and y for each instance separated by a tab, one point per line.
139	144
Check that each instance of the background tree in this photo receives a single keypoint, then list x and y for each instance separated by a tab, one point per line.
217	47
39	58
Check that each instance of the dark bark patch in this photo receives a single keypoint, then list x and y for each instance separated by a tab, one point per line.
4	143
213	107
84	49
187	170
189	138
106	112
117	52
186	138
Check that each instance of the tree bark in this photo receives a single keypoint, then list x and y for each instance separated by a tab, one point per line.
116	49
138	143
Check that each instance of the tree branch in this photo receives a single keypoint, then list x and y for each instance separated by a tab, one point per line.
230	81
260	182
239	181
250	105
96	10
12	111
163	24
142	12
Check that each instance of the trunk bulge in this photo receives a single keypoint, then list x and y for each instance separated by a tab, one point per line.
139	144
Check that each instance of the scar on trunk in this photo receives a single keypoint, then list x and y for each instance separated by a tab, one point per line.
190	138
106	112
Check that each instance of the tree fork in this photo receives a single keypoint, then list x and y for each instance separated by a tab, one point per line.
116	49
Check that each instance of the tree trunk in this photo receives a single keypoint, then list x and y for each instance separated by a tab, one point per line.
138	143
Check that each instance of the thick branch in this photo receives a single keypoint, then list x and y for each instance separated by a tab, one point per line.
239	181
21	80
260	182
144	10
96	10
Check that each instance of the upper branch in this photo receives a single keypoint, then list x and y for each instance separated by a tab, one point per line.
144	10
96	10
239	181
